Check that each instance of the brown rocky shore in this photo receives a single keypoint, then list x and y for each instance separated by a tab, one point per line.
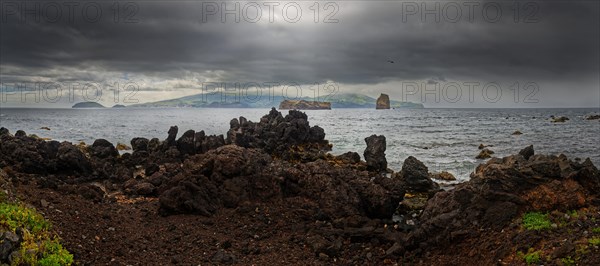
269	193
304	105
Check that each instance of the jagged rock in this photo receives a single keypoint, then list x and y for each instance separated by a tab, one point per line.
349	157
154	145
234	128
151	169
144	189
228	175
172	134
377	201
121	174
500	190
199	138
139	144
136	158
91	192
4	131
28	154
172	153
560	119
414	176
214	179
383	102
9	242
590	117
102	148
71	159
587	175
156	179
517	132
20	133
185	143
234	123
212	142
484	154
289	137
375	153
316	134
527	152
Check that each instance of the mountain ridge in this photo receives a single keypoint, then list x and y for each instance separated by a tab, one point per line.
343	100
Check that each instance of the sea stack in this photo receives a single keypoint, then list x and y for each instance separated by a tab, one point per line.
383	102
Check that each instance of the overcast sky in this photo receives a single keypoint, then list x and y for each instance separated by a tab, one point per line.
497	54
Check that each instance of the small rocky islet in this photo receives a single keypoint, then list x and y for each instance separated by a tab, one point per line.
269	192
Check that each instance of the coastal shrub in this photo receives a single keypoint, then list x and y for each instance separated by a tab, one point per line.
39	246
536	221
13	216
55	254
594	241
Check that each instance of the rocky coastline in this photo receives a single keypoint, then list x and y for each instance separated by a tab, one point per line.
269	192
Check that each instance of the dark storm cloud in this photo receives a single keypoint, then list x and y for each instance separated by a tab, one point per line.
169	40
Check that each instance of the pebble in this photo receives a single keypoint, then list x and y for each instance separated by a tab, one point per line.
44	203
10	236
394	248
323	256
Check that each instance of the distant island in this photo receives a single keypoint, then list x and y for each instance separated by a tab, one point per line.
88	105
304	105
342	100
119	106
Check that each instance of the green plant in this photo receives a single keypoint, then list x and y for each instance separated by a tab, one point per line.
48	252
568	261
532	257
536	221
574	214
594	241
581	250
596	230
38	247
55	254
3	196
13	216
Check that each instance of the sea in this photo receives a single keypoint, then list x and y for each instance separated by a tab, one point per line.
443	139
